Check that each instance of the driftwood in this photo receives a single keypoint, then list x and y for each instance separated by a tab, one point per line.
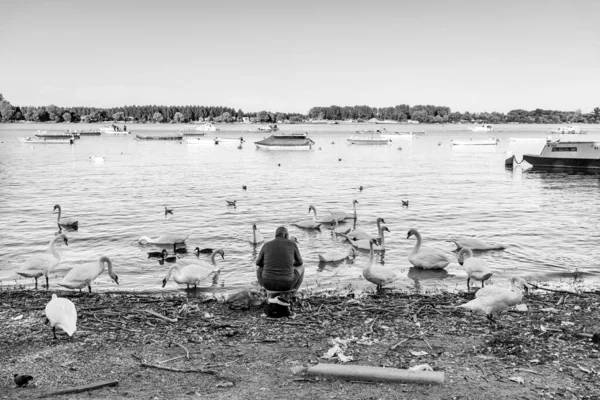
374	374
79	389
200	371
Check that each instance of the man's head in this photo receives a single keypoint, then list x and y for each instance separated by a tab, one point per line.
281	232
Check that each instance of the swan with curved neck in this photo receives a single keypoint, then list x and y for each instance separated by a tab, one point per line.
365	244
61	313
81	276
380	275
476	268
309	223
340	215
38	265
490	300
426	257
358	234
194	273
256	237
336	255
65	221
328	219
167	238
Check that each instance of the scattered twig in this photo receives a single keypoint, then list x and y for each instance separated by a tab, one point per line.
200	371
187	353
157	315
399	343
79	389
430	348
555	290
528	370
171	359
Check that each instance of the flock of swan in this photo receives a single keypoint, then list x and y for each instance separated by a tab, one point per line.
489	300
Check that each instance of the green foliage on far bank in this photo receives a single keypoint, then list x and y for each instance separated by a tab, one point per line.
360	113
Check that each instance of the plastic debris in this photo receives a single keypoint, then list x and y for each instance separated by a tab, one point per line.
422	367
418	353
517	379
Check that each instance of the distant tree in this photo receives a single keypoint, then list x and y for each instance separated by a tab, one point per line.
157	117
118	116
7	111
1	97
226	117
262	116
66	116
240	115
178	118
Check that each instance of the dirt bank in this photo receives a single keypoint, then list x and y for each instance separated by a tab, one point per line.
242	354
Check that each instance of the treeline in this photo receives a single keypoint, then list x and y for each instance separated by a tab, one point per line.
182	114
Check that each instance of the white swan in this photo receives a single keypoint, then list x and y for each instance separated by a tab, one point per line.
358	234
365	244
328	219
309	223
38	265
61	313
490	299
65	221
336	255
167	238
476	244
81	276
193	273
341	230
378	274
340	215
426	257
476	268
256	237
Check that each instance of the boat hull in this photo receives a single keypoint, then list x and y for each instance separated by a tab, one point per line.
474	142
44	141
283	148
379	142
177	137
552	162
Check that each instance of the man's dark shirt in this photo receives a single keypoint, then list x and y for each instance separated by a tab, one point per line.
278	259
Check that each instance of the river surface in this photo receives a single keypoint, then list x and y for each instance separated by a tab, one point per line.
548	221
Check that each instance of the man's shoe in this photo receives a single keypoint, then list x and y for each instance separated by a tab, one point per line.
279	300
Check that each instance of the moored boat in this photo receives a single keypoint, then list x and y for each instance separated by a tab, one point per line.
56	135
570	153
290	141
268	128
476	142
207	127
88	132
42	140
483	128
161	137
114	130
369	140
569	130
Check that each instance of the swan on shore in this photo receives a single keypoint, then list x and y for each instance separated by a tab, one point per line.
366	244
336	255
256	237
61	313
476	244
38	265
426	257
65	221
476	268
490	300
358	234
309	223
81	276
168	238
380	275
193	273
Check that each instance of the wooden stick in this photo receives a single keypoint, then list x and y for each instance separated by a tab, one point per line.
555	290
201	371
374	374
399	343
160	316
187	353
430	348
79	389
171	359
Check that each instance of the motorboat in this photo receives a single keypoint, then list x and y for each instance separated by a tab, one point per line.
476	142
572	153
86	132
268	128
56	135
42	140
362	131
114	130
161	137
569	130
192	132
483	128
287	141
229	140
207	127
369	140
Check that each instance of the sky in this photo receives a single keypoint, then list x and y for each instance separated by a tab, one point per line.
276	55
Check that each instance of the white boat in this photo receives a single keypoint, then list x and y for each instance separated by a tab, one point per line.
229	140
39	140
476	142
289	141
483	128
569	130
207	127
570	153
369	140
268	128
113	130
56	135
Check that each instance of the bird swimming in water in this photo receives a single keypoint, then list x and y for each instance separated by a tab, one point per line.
156	254
181	250
22	380
339	159
231	203
244	187
203	251
168	211
360	188
404	203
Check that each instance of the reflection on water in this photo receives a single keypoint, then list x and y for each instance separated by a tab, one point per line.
547	220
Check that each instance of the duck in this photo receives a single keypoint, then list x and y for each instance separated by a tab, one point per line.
181	250
309	223
61	313
404	203
336	255
168	211
426	257
198	251
360	188
476	268
365	244
380	275
194	273
166	257
81	276
491	300
244	187
65	221
156	254
231	202
340	230
168	238
476	244
358	234
256	237
341	215
38	265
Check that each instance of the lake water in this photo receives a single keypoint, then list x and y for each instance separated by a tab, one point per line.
547	220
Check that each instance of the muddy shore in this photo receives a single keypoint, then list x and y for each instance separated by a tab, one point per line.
208	350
